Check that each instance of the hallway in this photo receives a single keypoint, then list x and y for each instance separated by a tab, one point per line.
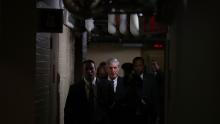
192	88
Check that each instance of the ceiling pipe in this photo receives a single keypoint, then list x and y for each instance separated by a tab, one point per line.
83	9
134	24
123	23
111	23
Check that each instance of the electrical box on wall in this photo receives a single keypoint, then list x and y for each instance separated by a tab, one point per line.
49	20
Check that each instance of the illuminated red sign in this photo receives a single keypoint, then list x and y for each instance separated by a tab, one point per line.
158	45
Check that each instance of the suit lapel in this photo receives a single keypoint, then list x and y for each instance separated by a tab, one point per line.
84	92
119	87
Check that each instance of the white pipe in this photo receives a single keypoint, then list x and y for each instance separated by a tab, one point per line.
123	23
134	24
111	24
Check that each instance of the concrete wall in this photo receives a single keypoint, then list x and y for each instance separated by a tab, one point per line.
43	75
65	66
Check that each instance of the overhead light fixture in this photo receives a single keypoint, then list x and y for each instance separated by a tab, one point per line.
140	14
89	24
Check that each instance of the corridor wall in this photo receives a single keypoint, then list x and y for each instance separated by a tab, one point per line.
65	66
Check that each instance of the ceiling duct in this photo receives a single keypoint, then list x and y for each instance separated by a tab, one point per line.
134	6
83	9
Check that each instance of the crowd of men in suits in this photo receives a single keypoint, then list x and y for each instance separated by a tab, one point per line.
111	99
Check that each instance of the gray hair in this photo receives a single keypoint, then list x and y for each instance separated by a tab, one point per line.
112	60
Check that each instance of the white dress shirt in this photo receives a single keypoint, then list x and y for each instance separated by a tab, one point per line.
115	81
87	86
142	76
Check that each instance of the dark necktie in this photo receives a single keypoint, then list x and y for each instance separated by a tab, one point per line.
91	95
112	84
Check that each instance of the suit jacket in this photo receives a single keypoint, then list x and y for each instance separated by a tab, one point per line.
78	109
148	97
120	111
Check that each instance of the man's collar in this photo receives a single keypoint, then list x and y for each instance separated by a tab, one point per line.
88	83
142	76
113	79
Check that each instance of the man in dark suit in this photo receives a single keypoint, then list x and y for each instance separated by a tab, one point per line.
87	101
148	105
159	75
120	109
